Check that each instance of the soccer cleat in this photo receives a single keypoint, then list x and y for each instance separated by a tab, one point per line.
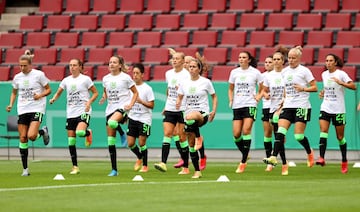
88	139
144	169
46	137
25	173
184	171
320	161
241	168
160	166
198	142
123	140
197	175
113	173
202	163
270	160
137	165
269	168
75	170
310	160
344	167
179	164
285	170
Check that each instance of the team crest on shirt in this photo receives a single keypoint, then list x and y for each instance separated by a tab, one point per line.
26	83
173	82
329	82
242	78
73	87
192	90
278	81
112	85
290	78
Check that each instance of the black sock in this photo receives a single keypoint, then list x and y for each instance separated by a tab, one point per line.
178	147
197	132
282	153
268	148
343	152
144	155
136	151
246	150
120	130
322	147
195	160
240	145
165	152
72	150
305	143
202	151
279	140
87	133
112	151
24	157
41	132
185	156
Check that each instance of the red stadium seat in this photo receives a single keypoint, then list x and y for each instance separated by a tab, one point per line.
280	21
66	54
46	56
325	51
233	38
223	21
216	55
31	23
204	39
99	55
351	71
241	6
350	6
357	22
140	23
234	54
93	39
307	57
348	39
12	56
252	21
320	39
159	72
120	39
264	53
11	40
213	6
195	22
293	6
291	38
308	21
66	39
167	22
221	73
50	7
112	23
5	73
156	56
262	38
317	71
269	6
85	23
148	39
185	6
54	73
353	56
103	6
176	38
158	6
190	51
38	40
337	21
326	6
133	6
130	55
58	23
89	71
101	72
77	7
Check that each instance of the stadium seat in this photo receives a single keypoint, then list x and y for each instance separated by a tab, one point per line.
33	23
159	72
262	38
103	6
58	23
347	39
66	54
269	6
216	55
99	55
140	22
167	22
337	21
252	21
280	21
130	55
297	6
291	38
156	56
195	22
54	73
77	7
101	71
93	39
38	40
112	23
213	6
221	73
50	7
309	21
351	71
223	21
185	6
307	56
325	6
188	50
85	23
325	51
349	6
317	71
241	6
131	7
5	73
11	40
66	39
353	56
357	22
319	39
89	71
264	53
158	6
232	38
204	39
12	56
234	54
176	38
148	39
45	56
120	39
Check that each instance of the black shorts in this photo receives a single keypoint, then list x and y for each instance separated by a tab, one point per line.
27	118
296	114
137	128
123	113
244	112
336	119
266	116
174	117
72	123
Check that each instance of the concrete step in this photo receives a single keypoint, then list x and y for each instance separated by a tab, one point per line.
21	9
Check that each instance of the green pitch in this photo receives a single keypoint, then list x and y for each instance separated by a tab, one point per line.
305	189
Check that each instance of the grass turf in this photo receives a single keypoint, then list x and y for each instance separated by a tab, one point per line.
304	189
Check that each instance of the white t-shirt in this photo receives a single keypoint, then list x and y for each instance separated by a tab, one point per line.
77	94
139	112
334	93
245	82
265	102
174	81
274	81
301	76
28	85
196	94
118	91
